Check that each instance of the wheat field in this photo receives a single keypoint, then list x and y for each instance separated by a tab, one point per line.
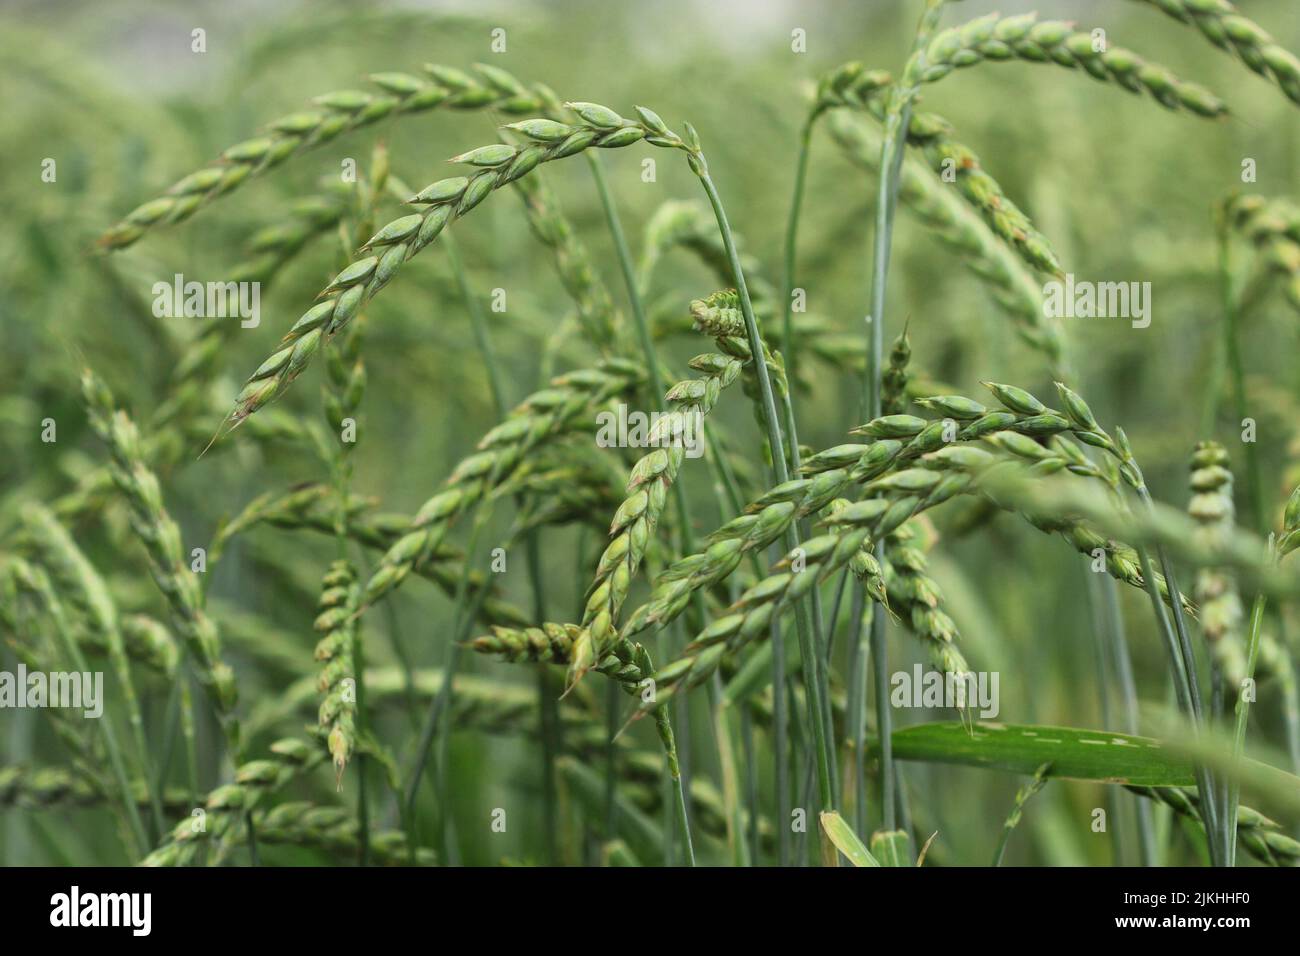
790	435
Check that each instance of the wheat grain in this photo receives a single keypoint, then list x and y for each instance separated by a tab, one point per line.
950	158
916	598
553	643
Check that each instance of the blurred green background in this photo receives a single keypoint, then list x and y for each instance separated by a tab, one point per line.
1124	189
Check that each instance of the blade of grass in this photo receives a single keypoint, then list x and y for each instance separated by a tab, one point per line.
845	840
1243	715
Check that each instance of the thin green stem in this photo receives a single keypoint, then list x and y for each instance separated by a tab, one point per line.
809	646
547	692
1182	681
363	806
465	615
1243	715
729	773
860	651
890	164
1114	634
1188	655
624	256
681	505
791	246
884	718
897	120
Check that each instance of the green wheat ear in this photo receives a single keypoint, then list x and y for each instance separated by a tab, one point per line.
1220	22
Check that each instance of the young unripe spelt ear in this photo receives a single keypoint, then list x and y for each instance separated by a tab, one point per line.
1021	37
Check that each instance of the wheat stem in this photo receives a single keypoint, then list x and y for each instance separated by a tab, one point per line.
808	645
897	119
1243	713
790	248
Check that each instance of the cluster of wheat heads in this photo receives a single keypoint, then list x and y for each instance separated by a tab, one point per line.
766	579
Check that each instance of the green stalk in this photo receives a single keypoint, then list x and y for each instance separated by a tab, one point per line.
1182	681
1114	634
730	775
808	648
822	643
767	408
791	245
465	615
646	342
1243	713
897	120
253	856
884	718
547	694
890	163
1213	817
780	745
